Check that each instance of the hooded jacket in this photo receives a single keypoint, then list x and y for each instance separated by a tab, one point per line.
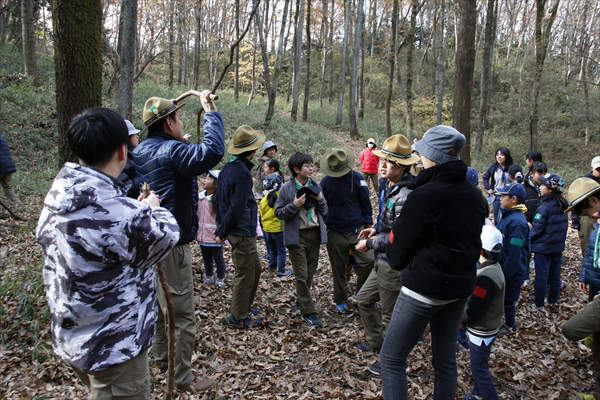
590	270
532	198
549	227
514	257
369	161
170	167
436	241
100	247
348	201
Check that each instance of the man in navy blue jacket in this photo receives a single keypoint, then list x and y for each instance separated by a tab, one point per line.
170	167
237	220
350	212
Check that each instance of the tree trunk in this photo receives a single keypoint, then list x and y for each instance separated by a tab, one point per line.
361	77
324	30
171	56
331	51
486	69
463	77
307	80
28	32
280	51
409	68
441	62
293	53
236	67
129	18
338	120
253	87
392	55
78	61
298	60
354	75
197	46
265	60
543	25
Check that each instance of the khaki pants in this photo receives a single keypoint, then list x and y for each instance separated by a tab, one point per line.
247	274
383	285
129	380
583	324
374	178
6	182
338	246
305	260
586	226
178	269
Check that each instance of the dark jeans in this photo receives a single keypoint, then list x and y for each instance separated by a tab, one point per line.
210	254
496	207
409	320
547	271
511	296
276	249
483	385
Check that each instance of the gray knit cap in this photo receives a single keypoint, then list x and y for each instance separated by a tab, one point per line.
441	144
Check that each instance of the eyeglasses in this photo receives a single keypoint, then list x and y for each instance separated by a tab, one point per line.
308	166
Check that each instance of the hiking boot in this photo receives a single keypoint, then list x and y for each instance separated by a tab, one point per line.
341	308
287	272
197	385
244	323
375	368
366	347
312	319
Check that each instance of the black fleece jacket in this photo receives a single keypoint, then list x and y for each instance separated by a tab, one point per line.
436	241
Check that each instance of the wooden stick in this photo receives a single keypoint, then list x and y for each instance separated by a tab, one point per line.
169	317
193	92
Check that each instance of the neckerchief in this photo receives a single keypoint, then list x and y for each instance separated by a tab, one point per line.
309	210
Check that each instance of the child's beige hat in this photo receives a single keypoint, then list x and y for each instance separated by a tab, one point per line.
580	190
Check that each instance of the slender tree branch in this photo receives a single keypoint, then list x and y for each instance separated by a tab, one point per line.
146	64
11	212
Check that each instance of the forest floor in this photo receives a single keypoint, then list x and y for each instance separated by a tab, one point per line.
288	360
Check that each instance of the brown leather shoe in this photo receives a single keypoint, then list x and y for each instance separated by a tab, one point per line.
198	385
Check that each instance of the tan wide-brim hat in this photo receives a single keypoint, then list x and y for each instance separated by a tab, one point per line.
580	190
157	108
245	139
397	149
337	161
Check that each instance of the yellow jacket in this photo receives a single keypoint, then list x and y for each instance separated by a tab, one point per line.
270	222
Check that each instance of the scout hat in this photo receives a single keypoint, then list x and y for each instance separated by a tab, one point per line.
514	189
245	139
337	161
580	190
441	144
397	150
157	108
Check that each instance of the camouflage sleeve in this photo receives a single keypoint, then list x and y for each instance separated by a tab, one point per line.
151	234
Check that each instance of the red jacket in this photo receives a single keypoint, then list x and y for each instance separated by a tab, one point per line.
369	161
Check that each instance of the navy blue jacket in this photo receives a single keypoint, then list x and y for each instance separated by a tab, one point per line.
349	202
436	241
129	177
236	206
590	274
549	227
170	167
532	198
488	177
514	257
7	166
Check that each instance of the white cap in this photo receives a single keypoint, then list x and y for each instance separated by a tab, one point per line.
131	128
596	162
371	140
214	173
491	239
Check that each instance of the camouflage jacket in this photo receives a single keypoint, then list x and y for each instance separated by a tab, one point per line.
100	247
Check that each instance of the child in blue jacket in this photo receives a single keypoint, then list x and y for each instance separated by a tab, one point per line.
548	235
515	248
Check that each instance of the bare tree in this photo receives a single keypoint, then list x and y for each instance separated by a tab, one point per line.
280	51
338	120
236	66
298	60
440	55
353	77
324	27
463	76
307	80
543	25
410	42
171	16
78	59
392	61
127	57
28	33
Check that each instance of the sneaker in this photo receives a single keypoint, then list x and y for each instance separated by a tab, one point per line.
366	347
197	385
375	368
312	319
209	280
536	308
220	282
287	272
341	308
503	331
470	396
296	307
526	282
563	286
253	312
244	323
